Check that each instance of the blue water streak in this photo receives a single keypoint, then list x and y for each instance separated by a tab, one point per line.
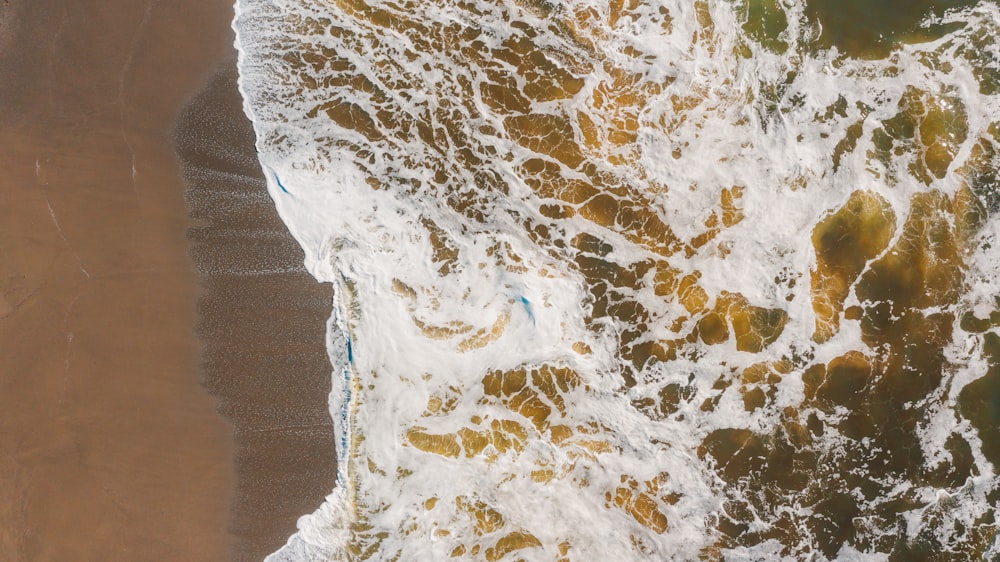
527	308
279	183
277	180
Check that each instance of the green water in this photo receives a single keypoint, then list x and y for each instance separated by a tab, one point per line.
870	28
858	28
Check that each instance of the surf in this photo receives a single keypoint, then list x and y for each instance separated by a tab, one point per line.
641	281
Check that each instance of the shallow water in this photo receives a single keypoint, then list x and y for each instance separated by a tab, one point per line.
872	28
632	281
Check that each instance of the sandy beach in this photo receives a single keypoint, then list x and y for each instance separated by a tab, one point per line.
110	446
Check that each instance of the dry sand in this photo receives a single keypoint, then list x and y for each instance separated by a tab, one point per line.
110	449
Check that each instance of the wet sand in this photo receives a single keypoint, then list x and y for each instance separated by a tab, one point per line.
110	449
262	319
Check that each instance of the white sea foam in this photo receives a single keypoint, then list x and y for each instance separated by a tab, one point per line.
413	328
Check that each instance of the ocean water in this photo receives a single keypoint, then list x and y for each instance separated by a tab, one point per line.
632	280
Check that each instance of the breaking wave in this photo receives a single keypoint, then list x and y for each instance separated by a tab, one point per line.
638	280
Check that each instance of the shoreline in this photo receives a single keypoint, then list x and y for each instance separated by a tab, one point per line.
262	322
